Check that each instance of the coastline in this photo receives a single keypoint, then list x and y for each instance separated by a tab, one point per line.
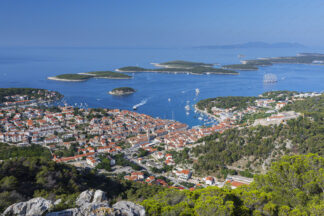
206	113
65	80
94	76
172	72
120	94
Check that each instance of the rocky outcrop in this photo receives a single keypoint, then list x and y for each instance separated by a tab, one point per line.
36	206
99	196
89	203
129	208
84	197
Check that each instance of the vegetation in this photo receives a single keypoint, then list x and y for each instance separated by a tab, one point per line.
10	151
279	95
184	64
108	74
131	69
24	178
226	102
240	67
193	70
122	91
72	77
298	136
293	186
303	58
120	160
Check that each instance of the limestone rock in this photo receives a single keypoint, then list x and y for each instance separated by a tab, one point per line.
129	208
34	207
99	196
84	197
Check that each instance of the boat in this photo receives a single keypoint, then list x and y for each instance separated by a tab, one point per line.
187	107
197	91
140	104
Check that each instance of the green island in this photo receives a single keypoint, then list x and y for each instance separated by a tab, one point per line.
107	75
122	91
301	58
240	67
181	64
88	75
180	67
70	77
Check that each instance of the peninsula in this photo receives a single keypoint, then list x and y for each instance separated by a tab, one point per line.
88	75
122	91
178	66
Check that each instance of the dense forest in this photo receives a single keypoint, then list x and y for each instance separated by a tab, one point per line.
256	144
293	186
11	151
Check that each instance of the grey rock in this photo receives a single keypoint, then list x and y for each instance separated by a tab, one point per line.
89	209
34	207
99	196
84	197
129	208
57	201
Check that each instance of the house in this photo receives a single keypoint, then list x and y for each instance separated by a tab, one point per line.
138	175
150	179
280	105
91	161
209	180
184	174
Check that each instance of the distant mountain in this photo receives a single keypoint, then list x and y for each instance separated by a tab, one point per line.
254	45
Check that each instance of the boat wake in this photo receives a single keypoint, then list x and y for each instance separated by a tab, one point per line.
140	104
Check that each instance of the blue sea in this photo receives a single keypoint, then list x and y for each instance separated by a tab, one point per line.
166	95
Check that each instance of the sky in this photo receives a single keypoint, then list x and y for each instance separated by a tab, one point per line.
159	23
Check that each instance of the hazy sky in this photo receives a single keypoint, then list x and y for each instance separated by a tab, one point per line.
159	23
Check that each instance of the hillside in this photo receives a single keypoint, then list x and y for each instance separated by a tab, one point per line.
293	186
252	148
24	178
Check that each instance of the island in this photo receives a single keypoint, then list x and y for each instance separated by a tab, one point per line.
179	66
88	75
240	67
70	77
301	58
107	75
122	91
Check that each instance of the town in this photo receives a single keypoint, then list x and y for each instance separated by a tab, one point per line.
126	144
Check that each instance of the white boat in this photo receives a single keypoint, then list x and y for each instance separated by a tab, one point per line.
169	99
200	118
197	91
140	104
187	107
